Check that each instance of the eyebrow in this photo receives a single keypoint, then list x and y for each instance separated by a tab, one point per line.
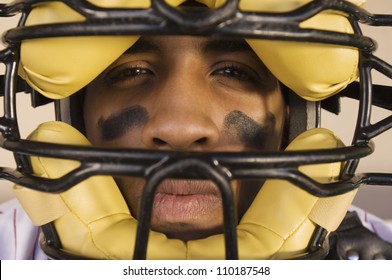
143	45
214	45
225	45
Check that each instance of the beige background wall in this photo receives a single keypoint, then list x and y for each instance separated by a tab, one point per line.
28	118
377	200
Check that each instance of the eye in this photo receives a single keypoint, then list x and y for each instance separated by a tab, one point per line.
237	72
233	72
127	73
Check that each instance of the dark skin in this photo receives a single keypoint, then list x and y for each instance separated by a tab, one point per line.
186	94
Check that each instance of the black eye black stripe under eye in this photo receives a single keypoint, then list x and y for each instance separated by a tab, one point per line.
116	125
250	133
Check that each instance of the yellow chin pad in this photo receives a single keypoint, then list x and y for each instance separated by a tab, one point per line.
93	220
59	67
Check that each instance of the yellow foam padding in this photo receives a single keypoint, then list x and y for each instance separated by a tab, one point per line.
93	220
59	67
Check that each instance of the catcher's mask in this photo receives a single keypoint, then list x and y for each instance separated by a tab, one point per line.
314	48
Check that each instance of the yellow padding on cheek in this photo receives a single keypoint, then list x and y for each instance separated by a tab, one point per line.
58	67
93	220
282	218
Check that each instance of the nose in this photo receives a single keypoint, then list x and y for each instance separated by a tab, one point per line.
180	118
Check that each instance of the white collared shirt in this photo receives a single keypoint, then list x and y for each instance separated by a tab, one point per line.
19	238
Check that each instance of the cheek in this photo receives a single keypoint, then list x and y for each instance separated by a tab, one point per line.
132	190
279	109
95	108
272	104
244	193
91	133
91	112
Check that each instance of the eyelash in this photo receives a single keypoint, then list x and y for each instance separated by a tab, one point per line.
237	72
228	70
127	73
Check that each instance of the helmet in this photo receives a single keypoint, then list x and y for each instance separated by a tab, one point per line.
66	185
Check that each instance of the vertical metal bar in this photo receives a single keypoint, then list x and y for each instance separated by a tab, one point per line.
144	218
210	172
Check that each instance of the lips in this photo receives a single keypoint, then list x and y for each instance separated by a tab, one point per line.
187	187
184	200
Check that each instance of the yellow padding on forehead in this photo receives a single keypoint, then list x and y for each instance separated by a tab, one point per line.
58	67
92	219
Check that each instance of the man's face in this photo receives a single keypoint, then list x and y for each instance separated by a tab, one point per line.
186	94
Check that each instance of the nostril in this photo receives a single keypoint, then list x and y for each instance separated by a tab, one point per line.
158	142
202	140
